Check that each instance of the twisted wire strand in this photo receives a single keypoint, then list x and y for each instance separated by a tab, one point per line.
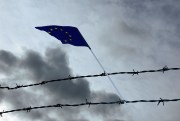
96	75
28	109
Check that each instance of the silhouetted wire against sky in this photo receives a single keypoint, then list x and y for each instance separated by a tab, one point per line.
97	75
120	102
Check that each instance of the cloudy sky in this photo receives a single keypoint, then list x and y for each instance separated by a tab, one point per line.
124	34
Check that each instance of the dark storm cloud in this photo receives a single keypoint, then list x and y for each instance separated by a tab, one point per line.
77	120
107	110
52	65
8	61
116	120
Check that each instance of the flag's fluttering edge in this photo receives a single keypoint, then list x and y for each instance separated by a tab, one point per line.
66	34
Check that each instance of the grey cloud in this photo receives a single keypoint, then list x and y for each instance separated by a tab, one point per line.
147	30
116	120
71	90
106	110
8	62
35	64
77	120
8	58
124	41
164	11
133	30
52	65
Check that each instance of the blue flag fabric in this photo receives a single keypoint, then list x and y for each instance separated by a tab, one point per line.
66	34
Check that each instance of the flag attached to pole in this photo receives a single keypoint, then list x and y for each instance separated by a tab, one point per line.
71	35
66	34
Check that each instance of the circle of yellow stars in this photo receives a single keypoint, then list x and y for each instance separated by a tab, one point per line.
67	33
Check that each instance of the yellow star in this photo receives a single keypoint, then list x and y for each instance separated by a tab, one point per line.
61	29
51	29
55	28
70	36
70	39
65	40
66	32
49	32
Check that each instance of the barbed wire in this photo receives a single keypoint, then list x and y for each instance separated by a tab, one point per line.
165	68
28	109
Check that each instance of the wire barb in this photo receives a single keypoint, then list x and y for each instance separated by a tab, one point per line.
135	72
103	74
121	101
165	68
28	109
43	82
88	103
59	105
69	77
161	100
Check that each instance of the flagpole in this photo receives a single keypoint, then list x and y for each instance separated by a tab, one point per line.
105	72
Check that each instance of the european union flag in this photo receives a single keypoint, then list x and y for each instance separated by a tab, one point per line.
66	34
